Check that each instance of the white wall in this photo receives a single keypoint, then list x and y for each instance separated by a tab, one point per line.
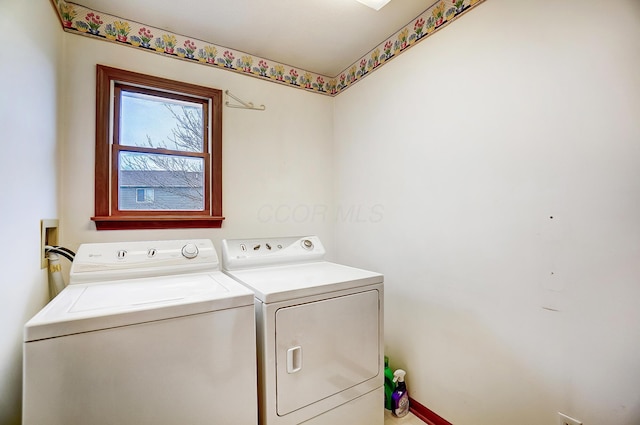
277	164
470	143
29	118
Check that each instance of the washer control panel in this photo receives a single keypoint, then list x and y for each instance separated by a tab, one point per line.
123	260
248	253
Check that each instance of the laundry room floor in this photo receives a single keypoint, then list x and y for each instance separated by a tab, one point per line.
410	419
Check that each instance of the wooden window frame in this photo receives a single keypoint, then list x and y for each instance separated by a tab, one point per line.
107	216
117	147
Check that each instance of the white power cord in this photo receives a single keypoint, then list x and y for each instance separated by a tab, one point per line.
56	282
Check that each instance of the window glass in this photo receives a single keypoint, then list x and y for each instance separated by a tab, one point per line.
160	122
177	182
142	195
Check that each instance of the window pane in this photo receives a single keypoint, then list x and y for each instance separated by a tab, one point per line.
157	122
160	182
144	195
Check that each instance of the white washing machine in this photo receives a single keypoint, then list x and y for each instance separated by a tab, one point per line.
319	332
146	333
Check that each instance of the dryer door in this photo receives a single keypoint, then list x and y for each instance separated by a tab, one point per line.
325	347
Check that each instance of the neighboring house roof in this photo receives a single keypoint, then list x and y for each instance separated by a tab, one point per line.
145	178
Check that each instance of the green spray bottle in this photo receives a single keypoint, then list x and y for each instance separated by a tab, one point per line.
389	385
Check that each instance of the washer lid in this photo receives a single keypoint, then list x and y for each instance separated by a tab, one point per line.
280	283
89	307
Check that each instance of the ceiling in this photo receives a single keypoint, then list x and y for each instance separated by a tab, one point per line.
321	36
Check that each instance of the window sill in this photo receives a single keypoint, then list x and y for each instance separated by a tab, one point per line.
157	222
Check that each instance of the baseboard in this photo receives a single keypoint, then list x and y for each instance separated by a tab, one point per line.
425	414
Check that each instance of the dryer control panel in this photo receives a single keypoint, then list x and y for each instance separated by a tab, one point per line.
124	260
249	253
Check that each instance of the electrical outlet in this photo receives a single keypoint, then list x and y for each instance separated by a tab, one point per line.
566	420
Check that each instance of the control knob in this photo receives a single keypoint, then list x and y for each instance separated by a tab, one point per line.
190	251
307	244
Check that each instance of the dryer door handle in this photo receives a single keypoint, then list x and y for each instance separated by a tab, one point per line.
294	359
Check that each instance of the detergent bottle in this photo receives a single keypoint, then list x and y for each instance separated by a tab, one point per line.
389	384
400	397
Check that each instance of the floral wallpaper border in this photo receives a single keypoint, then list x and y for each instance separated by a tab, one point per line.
84	21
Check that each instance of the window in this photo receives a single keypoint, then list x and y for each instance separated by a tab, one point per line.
158	153
143	195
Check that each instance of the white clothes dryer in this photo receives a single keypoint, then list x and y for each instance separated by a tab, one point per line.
145	333
319	332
